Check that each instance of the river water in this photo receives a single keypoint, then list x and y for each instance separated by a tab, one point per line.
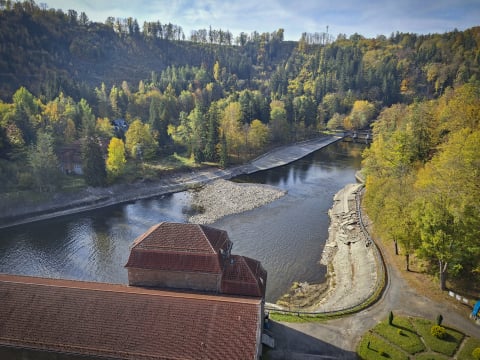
287	236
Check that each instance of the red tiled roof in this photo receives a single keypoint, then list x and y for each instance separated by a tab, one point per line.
178	237
244	276
180	247
122	322
157	260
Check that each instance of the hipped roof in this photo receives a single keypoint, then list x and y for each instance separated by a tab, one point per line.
180	247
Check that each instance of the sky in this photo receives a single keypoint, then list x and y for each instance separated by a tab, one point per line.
369	18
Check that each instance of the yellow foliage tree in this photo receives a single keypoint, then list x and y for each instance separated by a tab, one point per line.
362	112
230	126
139	141
116	160
258	135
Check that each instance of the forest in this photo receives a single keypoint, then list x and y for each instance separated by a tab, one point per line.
423	182
92	104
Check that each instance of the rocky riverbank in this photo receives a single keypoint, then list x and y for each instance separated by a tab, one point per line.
349	258
221	198
353	272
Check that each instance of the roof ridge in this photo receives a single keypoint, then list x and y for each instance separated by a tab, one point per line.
115	288
248	267
142	237
202	229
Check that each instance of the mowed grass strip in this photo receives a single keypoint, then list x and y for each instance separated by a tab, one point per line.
431	356
372	347
401	334
447	346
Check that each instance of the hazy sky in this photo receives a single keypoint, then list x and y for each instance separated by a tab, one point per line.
366	17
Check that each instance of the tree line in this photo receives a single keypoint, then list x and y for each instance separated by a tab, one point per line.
423	176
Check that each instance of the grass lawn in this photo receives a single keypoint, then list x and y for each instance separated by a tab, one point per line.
410	338
447	346
401	334
373	347
467	349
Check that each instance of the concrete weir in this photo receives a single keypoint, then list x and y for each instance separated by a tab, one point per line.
94	198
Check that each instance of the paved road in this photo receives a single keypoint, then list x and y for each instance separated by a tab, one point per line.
338	338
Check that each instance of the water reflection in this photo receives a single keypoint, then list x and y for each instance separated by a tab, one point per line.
287	236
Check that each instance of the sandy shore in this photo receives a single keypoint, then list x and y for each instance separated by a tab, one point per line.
221	198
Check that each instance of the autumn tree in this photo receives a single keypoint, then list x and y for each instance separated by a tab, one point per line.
278	124
231	126
59	119
390	166
258	135
139	141
336	122
449	220
116	160
26	114
360	115
104	128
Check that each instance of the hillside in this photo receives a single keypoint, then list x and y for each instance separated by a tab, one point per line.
48	50
79	92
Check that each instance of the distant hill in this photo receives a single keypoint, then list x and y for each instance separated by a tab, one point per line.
48	50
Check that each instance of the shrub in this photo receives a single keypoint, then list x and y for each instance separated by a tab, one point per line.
400	332
476	353
384	354
438	331
390	318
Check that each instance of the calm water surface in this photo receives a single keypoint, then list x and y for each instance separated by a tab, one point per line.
287	236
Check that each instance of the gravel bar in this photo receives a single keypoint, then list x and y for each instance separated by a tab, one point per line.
222	197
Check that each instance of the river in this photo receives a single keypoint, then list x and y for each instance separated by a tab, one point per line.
287	236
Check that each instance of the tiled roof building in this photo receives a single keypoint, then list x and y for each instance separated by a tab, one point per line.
191	256
42	316
64	319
